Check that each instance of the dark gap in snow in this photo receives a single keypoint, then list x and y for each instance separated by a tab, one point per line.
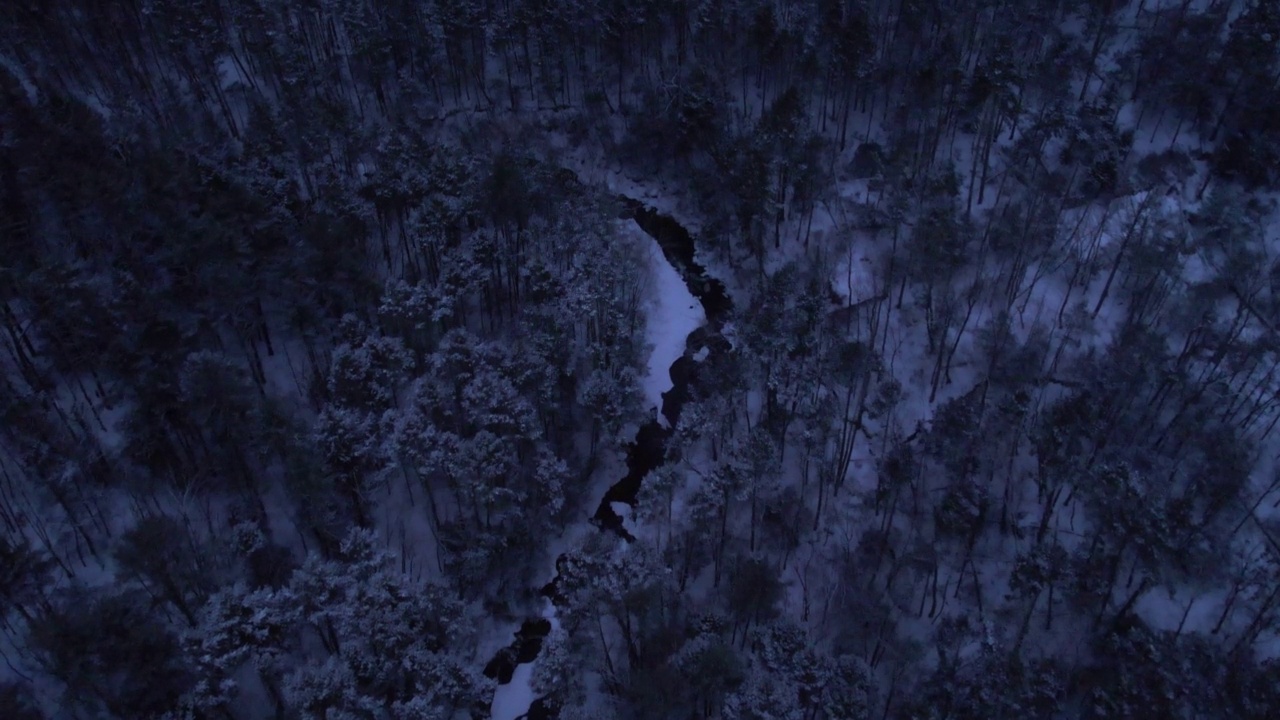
868	161
679	248
645	454
541	709
523	649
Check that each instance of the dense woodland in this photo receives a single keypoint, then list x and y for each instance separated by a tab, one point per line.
322	336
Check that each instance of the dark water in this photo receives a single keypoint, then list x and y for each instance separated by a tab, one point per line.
525	647
541	709
679	248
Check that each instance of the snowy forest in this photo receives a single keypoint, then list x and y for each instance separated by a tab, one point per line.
648	360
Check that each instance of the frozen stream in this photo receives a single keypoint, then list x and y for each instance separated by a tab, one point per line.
674	316
513	700
673	313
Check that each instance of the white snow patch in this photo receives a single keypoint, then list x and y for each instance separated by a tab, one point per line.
854	278
673	313
513	699
624	511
